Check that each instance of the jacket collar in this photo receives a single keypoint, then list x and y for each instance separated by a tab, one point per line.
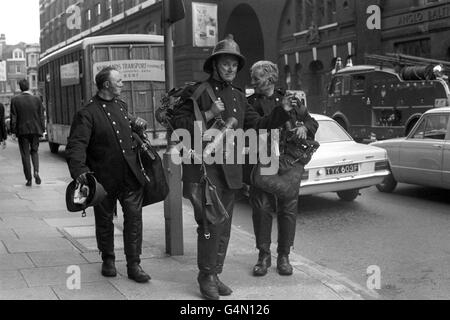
219	84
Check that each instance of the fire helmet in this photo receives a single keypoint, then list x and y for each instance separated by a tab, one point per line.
226	46
96	194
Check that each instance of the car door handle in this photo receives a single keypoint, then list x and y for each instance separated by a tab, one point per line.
439	146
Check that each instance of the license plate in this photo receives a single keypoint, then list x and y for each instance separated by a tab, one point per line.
349	168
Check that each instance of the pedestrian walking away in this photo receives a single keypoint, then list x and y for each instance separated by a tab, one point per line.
3	132
264	75
101	143
220	100
28	123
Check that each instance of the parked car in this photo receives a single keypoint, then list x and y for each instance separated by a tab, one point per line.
423	156
342	165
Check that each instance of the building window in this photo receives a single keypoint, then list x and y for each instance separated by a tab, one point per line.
320	18
18	69
109	8
120	5
299	16
88	18
419	48
309	13
330	11
18	54
33	83
99	9
151	28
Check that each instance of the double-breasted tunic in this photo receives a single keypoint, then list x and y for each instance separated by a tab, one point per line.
101	141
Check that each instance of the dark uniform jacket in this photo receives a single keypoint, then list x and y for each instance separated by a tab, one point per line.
27	115
224	175
3	134
101	141
264	106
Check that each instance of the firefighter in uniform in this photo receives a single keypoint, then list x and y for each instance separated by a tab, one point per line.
101	142
264	75
222	66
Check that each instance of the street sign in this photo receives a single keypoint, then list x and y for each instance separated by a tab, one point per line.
135	70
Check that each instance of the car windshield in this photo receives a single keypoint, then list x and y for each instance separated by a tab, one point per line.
330	131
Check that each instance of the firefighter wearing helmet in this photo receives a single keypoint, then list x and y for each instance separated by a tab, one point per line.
218	100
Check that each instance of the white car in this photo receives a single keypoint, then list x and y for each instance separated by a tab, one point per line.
342	165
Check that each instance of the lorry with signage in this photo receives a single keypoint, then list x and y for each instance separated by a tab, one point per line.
67	80
376	102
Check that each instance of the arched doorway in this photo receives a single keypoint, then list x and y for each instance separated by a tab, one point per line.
244	25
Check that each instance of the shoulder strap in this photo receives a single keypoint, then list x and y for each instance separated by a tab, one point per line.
197	93
201	88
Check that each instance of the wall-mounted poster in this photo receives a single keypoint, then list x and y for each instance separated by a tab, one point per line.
204	24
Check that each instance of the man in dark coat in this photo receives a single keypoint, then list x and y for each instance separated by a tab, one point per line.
28	123
264	76
222	65
101	142
3	134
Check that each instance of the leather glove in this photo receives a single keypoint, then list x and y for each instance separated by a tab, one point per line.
302	132
141	123
82	179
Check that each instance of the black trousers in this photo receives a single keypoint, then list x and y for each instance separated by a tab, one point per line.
211	252
29	146
264	205
131	202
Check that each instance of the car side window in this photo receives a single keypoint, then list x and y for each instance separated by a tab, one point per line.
437	128
419	133
433	126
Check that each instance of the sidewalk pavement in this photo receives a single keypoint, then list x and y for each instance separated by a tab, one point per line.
39	240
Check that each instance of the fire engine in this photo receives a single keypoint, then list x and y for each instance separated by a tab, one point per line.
384	100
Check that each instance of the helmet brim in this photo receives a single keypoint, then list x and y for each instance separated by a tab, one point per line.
96	195
208	65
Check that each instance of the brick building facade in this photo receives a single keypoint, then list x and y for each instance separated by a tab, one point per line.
18	62
303	36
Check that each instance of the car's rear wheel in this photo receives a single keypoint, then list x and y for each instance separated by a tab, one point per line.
348	195
388	185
